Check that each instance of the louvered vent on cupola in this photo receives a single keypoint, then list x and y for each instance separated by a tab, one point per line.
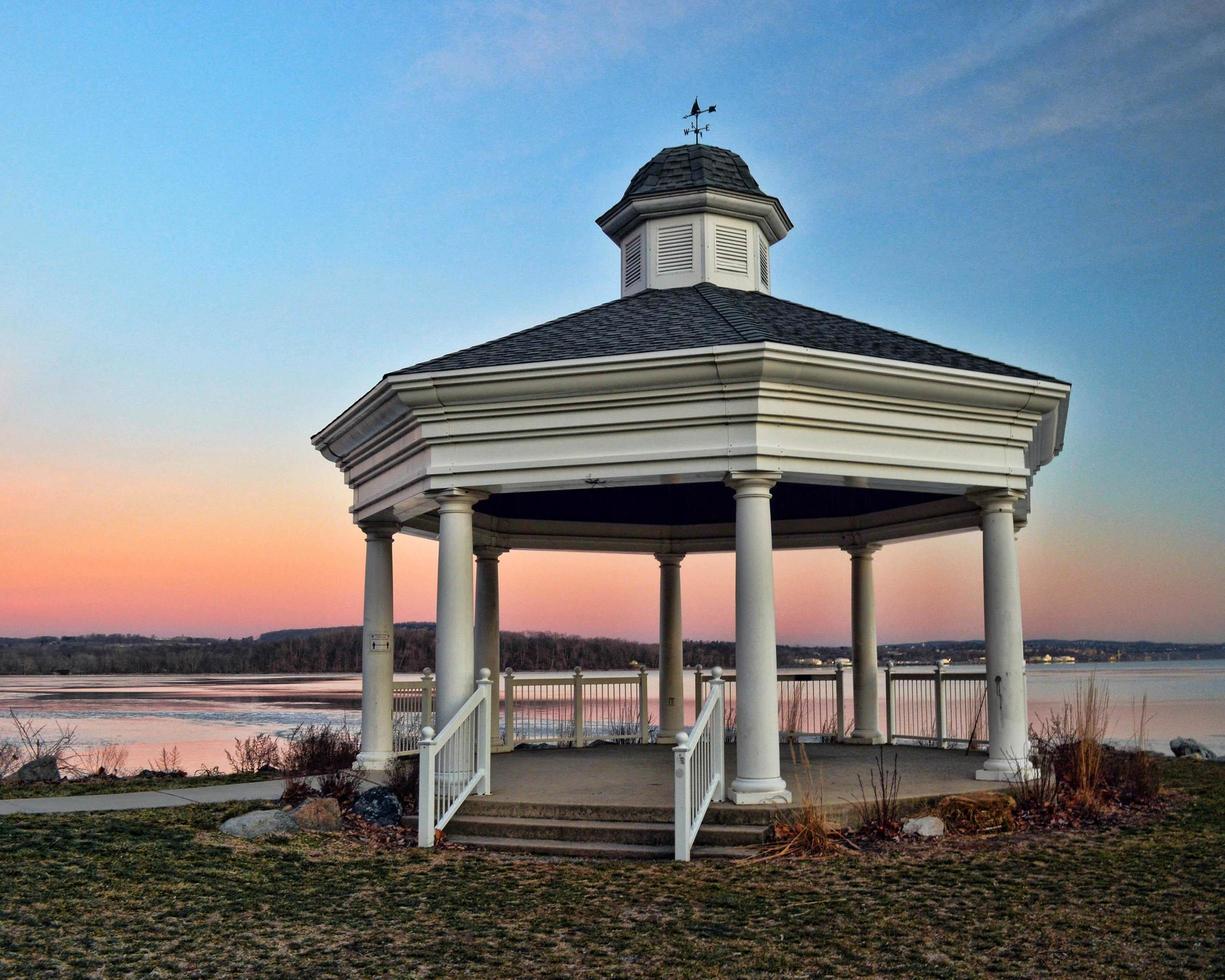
763	262
631	267
731	249
674	252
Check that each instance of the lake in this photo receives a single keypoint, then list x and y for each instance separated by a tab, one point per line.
202	715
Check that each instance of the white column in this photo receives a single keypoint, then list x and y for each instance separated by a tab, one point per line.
1007	714
378	647
487	636
671	656
863	645
454	658
758	774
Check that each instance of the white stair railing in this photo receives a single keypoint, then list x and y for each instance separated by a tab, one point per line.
698	759
454	763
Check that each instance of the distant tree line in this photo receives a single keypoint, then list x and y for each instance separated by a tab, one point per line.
338	650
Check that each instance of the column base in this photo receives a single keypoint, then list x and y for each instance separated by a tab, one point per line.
750	791
374	765
865	738
1006	771
666	738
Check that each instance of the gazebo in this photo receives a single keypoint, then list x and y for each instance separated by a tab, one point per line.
696	413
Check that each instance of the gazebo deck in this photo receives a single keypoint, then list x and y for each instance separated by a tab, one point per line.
623	777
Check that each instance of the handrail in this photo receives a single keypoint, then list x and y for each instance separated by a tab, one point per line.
698	761
454	763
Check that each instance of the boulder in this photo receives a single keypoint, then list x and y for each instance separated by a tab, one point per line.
380	806
260	823
924	827
1189	748
321	815
42	770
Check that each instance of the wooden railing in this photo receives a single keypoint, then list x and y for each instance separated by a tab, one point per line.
454	763
936	706
412	709
699	769
576	709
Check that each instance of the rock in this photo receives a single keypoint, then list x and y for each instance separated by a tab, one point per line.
924	827
321	815
260	823
42	770
380	806
1189	748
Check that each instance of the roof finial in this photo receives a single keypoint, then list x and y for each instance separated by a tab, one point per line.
696	113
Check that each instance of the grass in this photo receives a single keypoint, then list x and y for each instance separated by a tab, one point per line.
162	892
132	784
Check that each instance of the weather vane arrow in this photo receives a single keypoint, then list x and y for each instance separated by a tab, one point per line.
696	115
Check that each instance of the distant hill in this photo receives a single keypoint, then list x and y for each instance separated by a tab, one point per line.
336	649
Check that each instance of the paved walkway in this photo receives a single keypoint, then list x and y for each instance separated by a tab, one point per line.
145	799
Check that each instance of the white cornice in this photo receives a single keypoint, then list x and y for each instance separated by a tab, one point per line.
766	212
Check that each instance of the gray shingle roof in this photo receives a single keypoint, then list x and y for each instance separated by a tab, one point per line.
705	315
679	168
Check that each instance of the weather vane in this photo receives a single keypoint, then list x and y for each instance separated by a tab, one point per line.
696	114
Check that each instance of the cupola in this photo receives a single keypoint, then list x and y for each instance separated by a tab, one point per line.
695	214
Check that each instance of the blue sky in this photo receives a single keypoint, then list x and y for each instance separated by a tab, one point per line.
221	223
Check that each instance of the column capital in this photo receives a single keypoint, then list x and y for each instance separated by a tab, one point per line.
861	549
488	552
997	501
669	557
752	483
379	530
453	500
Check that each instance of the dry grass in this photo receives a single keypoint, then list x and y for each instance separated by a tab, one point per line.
167	761
161	892
804	830
106	759
878	812
986	814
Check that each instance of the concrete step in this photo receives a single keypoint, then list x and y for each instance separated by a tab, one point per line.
591	849
649	833
719	814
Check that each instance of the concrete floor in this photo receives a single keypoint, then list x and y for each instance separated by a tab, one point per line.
642	775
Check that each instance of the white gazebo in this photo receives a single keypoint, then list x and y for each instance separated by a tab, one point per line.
696	413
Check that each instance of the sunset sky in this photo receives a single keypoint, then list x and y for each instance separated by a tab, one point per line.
222	223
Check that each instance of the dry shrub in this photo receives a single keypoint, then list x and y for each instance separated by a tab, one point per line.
403	780
10	754
1079	775
297	790
320	748
107	759
343	786
168	762
880	816
33	743
804	831
253	753
982	814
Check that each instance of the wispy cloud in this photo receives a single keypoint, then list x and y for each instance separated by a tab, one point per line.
1098	65
512	42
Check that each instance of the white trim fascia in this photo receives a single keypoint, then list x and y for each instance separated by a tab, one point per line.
766	212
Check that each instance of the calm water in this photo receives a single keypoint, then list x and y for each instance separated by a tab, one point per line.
202	715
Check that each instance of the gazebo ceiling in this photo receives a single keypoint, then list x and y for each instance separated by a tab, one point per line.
687	504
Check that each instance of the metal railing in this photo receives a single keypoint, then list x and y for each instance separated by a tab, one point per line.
412	709
454	763
810	701
576	709
936	706
699	769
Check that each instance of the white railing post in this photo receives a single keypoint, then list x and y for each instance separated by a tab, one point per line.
644	718
889	704
697	689
681	797
839	694
941	728
579	740
484	725
508	740
717	735
425	789
427	697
